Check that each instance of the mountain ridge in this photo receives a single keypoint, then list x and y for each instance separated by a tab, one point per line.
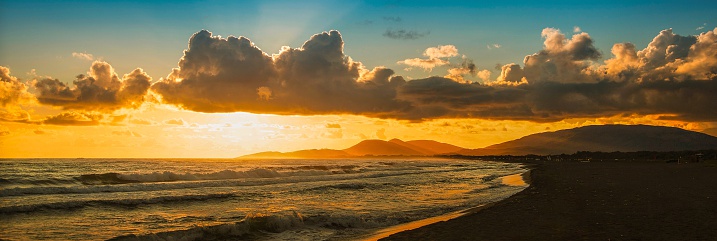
596	138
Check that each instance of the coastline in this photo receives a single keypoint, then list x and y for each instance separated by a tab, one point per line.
521	179
594	201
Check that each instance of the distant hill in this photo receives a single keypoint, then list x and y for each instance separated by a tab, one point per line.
313	153
605	138
394	147
381	148
436	147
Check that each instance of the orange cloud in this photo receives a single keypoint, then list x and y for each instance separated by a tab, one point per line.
74	119
435	57
83	56
13	94
100	90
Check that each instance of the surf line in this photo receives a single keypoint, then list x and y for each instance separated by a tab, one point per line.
521	179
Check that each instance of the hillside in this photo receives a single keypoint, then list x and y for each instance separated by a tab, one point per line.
381	148
599	138
605	138
313	153
436	147
394	147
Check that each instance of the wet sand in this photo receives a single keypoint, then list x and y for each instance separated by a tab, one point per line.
595	201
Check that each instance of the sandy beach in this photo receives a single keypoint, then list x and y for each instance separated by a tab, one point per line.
595	201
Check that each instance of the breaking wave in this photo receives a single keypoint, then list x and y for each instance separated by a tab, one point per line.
111	202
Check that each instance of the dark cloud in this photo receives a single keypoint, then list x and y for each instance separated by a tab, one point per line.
227	75
563	80
74	119
403	34
100	90
552	101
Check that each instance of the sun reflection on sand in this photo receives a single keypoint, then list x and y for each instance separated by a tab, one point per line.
414	225
514	180
510	180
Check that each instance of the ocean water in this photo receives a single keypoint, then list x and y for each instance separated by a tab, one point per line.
194	199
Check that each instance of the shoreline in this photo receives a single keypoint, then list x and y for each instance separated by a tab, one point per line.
521	179
594	201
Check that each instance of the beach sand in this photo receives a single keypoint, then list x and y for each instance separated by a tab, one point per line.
595	201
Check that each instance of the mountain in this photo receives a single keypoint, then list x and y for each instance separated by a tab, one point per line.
313	153
419	149
382	148
436	147
606	138
394	147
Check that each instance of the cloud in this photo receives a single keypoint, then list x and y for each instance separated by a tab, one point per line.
511	73
701	61
494	46
561	59
674	77
701	27
333	126
74	119
99	90
83	56
563	81
435	56
466	68
667	57
484	74
12	91
427	64
403	34
232	74
441	51
139	121
13	94
14	114
179	122
577	29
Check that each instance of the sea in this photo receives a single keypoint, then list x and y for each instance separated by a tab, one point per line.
232	199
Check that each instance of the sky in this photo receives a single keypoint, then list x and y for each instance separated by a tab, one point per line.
229	78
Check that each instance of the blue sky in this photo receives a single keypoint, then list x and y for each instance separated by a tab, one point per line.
42	35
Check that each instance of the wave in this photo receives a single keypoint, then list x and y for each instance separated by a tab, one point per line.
252	224
103	179
264	225
110	202
115	182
